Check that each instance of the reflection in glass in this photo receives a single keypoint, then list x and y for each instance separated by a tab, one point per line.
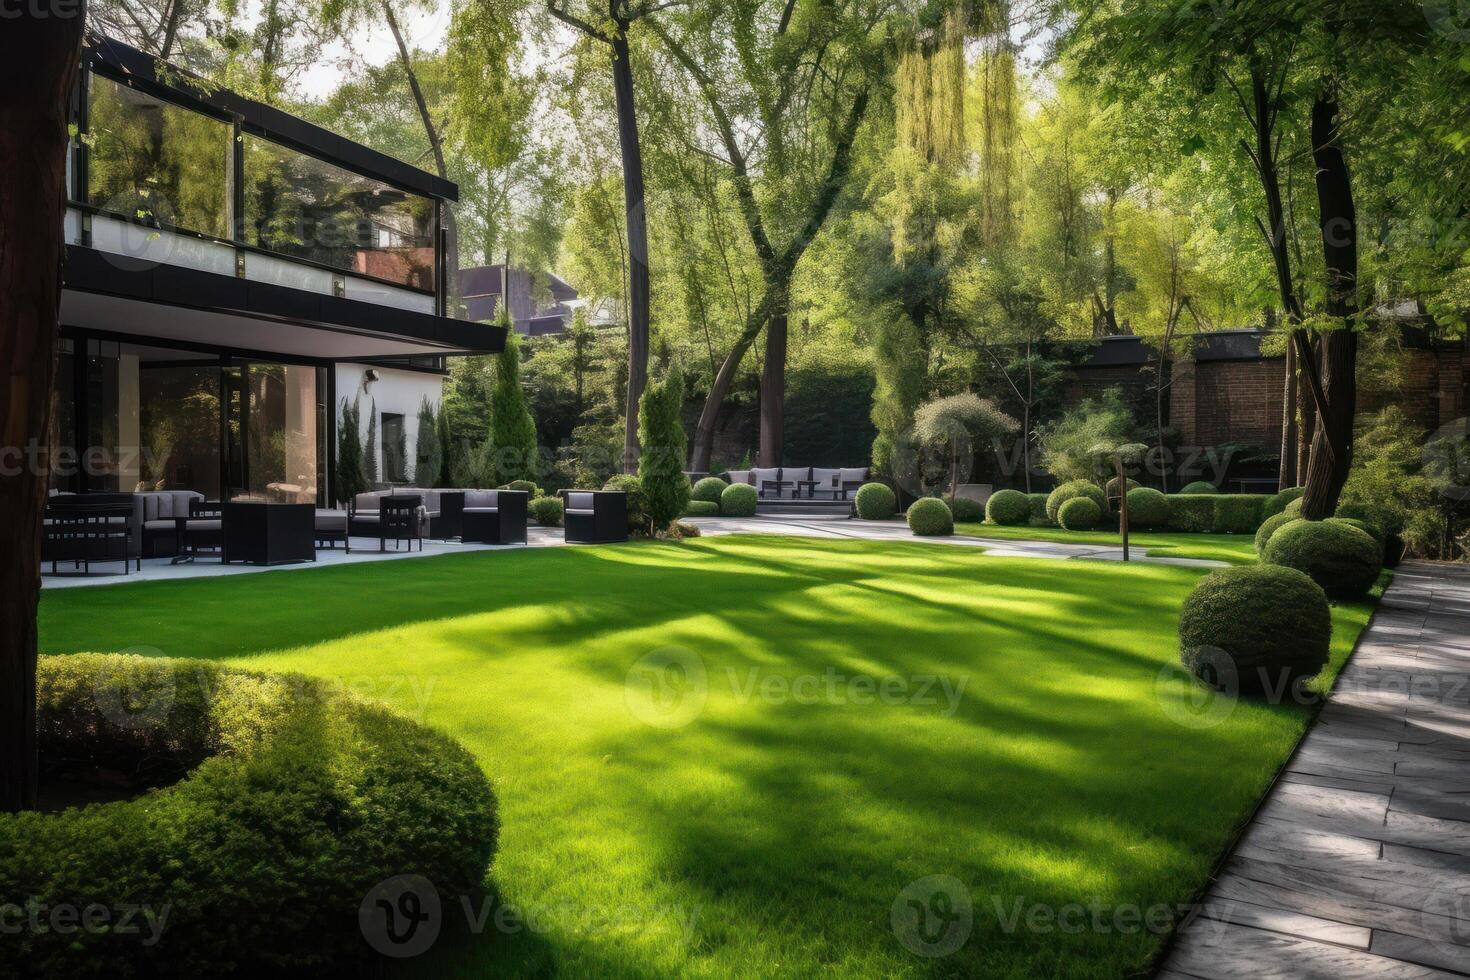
151	161
64	469
180	427
280	433
112	451
298	205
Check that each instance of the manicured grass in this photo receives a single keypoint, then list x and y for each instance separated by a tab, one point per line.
768	836
1238	549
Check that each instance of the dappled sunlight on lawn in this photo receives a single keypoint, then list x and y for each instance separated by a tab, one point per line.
864	715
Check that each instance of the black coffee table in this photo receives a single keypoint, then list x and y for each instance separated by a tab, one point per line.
260	533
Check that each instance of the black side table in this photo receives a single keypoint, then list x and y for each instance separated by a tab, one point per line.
259	533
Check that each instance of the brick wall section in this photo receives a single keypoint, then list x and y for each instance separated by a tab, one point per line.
1239	401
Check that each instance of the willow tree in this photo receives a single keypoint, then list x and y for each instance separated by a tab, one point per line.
40	51
783	87
928	199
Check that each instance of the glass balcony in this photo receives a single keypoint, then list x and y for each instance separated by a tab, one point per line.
167	182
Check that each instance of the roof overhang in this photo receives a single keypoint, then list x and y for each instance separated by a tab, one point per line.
125	297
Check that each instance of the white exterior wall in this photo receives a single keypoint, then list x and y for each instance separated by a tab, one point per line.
396	392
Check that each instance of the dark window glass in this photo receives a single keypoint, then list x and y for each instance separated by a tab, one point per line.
395	449
300	206
152	161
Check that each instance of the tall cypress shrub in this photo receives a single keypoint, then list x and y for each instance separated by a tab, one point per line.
664	447
444	479
351	476
370	451
426	451
511	451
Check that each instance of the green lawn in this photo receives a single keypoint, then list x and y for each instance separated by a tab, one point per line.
1238	549
771	836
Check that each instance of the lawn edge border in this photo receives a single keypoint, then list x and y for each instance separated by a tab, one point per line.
1196	898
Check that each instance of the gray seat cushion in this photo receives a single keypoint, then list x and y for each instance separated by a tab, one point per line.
761	475
858	474
475	499
741	476
826	482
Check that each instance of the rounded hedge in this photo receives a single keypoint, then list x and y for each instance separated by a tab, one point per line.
1071	490
548	511
739	500
1269	527
1278	501
1378	521
701	508
1199	487
1293	509
876	502
1345	561
1112	487
967	510
297	799
1080	514
1147	508
1253	627
638	516
708	489
523	486
930	517
1008	508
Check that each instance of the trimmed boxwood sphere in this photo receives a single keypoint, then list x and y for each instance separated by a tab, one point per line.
1245	626
296	800
1080	514
967	510
708	489
1199	487
1269	527
1293	509
1070	490
1112	487
1343	560
1278	502
1147	508
1008	508
876	502
738	500
930	518
701	508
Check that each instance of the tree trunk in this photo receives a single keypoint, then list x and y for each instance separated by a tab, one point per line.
1332	447
1287	474
1308	411
704	430
638	287
40	50
773	386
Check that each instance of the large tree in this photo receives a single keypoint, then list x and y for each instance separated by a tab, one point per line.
1283	68
608	23
785	86
40	51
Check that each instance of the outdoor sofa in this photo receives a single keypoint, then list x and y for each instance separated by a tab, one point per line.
802	482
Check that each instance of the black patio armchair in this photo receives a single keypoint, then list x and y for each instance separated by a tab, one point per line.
494	516
87	529
595	516
202	531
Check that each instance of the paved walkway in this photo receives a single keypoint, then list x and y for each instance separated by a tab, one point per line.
843	527
1358	864
161	569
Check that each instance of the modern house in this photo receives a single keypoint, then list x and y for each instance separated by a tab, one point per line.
536	309
233	273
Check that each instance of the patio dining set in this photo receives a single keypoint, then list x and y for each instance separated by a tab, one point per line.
83	530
